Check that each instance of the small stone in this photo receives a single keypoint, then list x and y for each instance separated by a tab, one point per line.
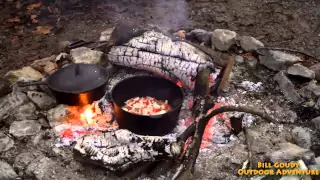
4	87
316	69
23	159
317	160
55	115
26	72
299	70
249	43
223	39
62	59
302	137
311	91
42	100
290	116
287	88
25	111
316	122
9	102
290	152
24	128
259	144
87	56
251	63
201	35
6	142
238	59
45	65
105	35
317	104
277	60
7	172
314	88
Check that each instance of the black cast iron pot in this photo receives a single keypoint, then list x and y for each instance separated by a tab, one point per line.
141	86
76	84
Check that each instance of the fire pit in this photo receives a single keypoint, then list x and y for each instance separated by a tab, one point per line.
100	132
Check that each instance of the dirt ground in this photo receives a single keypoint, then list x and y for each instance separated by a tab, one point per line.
277	23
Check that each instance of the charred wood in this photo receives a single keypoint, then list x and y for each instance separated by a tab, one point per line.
119	150
185	170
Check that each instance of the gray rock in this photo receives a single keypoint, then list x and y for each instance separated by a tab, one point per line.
290	152
317	160
24	159
4	87
316	122
223	39
238	59
299	70
259	144
6	142
62	59
251	63
25	111
24	128
56	114
45	65
302	137
9	102
317	104
7	172
105	35
316	69
314	167
287	88
87	56
42	100
249	43
311	91
222	162
201	35
314	88
277	60
26	72
47	169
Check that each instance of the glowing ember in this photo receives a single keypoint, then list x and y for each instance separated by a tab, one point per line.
87	116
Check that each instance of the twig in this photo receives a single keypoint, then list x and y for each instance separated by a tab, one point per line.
289	50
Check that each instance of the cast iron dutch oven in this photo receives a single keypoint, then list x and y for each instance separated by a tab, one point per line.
76	84
141	86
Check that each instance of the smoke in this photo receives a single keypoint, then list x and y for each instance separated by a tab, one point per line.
170	14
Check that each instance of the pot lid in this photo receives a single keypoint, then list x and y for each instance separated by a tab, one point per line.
78	78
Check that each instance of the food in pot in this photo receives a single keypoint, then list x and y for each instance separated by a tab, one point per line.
146	106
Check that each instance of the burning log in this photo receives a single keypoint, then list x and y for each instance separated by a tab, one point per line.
156	52
119	150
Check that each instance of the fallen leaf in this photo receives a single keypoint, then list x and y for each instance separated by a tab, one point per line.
15	19
33	6
33	16
43	30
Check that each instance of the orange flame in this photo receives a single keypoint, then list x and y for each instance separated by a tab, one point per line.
88	116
